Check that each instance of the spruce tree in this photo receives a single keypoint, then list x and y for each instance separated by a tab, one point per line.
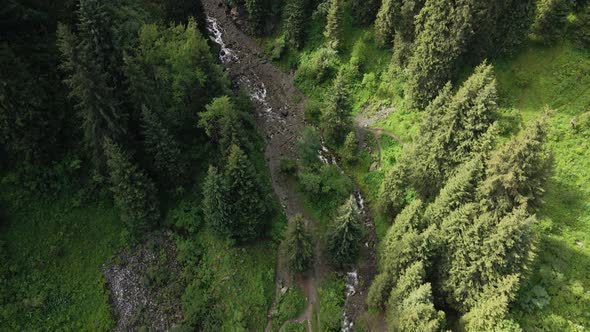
215	205
298	246
91	87
349	150
551	19
364	12
163	148
294	22
336	119
134	192
387	18
308	147
405	32
333	31
459	190
456	128
480	249
344	239
418	314
409	281
245	198
491	308
223	123
444	28
517	171
255	9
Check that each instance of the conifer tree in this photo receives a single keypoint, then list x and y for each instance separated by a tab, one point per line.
418	314
298	246
245	198
336	116
491	308
459	190
333	31
444	30
344	238
405	32
91	87
409	280
456	128
215	205
551	19
517	171
364	11
223	123
308	147
480	249
406	243
387	18
350	147
255	9
164	149
134	192
294	22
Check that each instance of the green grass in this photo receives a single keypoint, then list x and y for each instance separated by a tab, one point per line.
290	306
239	278
55	253
558	77
331	303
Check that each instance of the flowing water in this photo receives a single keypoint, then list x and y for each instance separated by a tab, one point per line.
258	94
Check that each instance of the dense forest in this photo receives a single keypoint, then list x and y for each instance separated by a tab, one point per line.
295	165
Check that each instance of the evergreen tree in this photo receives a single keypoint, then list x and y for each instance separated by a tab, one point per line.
245	198
164	149
517	171
308	147
294	23
215	205
444	30
492	306
344	238
582	28
456	128
405	32
459	190
480	249
298	246
350	147
333	31
134	192
255	9
418	314
336	119
364	12
405	243
387	18
179	12
91	87
551	19
223	123
410	280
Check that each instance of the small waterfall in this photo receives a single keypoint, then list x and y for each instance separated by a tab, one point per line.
351	280
257	89
258	93
226	54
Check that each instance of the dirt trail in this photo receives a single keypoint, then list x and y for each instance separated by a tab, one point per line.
278	117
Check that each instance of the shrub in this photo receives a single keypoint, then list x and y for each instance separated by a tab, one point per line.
317	66
288	166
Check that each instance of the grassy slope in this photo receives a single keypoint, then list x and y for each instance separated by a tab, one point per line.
558	77
56	252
